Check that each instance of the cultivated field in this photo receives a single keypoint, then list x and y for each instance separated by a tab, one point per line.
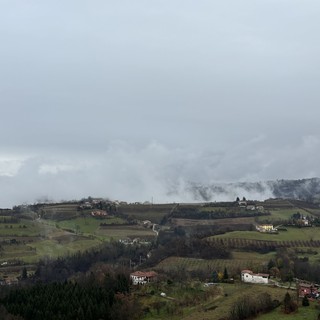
125	231
203	222
240	261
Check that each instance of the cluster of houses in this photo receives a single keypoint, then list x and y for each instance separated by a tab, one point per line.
9	281
301	220
135	241
94	203
250	205
311	290
144	277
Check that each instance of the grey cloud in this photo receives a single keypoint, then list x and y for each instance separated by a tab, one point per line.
138	174
201	79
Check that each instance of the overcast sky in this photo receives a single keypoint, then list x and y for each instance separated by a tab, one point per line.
132	99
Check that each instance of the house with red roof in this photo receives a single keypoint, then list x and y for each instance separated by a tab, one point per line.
250	277
141	277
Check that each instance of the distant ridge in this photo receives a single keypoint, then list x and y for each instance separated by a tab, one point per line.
304	189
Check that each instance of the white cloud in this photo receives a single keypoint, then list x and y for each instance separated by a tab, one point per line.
10	165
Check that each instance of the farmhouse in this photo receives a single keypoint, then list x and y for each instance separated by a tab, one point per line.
307	289
249	276
140	277
147	223
242	204
99	213
266	228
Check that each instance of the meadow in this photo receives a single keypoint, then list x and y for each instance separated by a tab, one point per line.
292	233
192	301
303	313
284	214
87	225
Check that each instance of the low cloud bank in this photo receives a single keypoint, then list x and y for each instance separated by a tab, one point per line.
157	172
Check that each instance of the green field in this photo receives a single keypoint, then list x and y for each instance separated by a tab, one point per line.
126	231
26	228
218	305
284	214
303	313
254	261
87	225
54	249
50	238
188	301
305	234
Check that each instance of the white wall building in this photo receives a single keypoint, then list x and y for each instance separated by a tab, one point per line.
250	277
140	277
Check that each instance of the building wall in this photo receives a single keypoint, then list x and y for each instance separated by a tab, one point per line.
253	278
141	280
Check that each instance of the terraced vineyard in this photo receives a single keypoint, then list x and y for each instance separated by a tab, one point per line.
249	244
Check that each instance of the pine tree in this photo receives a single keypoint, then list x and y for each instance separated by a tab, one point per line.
24	274
289	304
305	301
225	274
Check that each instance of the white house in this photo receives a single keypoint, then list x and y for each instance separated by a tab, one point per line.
249	276
140	277
268	228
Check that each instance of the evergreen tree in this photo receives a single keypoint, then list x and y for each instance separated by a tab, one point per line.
24	274
288	304
271	264
225	274
215	277
305	301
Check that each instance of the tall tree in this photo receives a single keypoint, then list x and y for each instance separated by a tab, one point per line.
225	274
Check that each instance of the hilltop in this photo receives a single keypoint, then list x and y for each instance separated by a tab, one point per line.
304	189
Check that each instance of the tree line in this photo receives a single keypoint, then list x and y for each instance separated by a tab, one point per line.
86	300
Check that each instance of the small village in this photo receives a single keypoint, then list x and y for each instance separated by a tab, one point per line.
301	287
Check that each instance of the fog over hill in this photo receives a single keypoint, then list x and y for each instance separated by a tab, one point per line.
304	189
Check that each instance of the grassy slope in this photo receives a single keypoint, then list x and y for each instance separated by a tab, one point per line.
87	225
215	307
241	260
17	230
278	214
54	249
291	234
303	313
154	213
